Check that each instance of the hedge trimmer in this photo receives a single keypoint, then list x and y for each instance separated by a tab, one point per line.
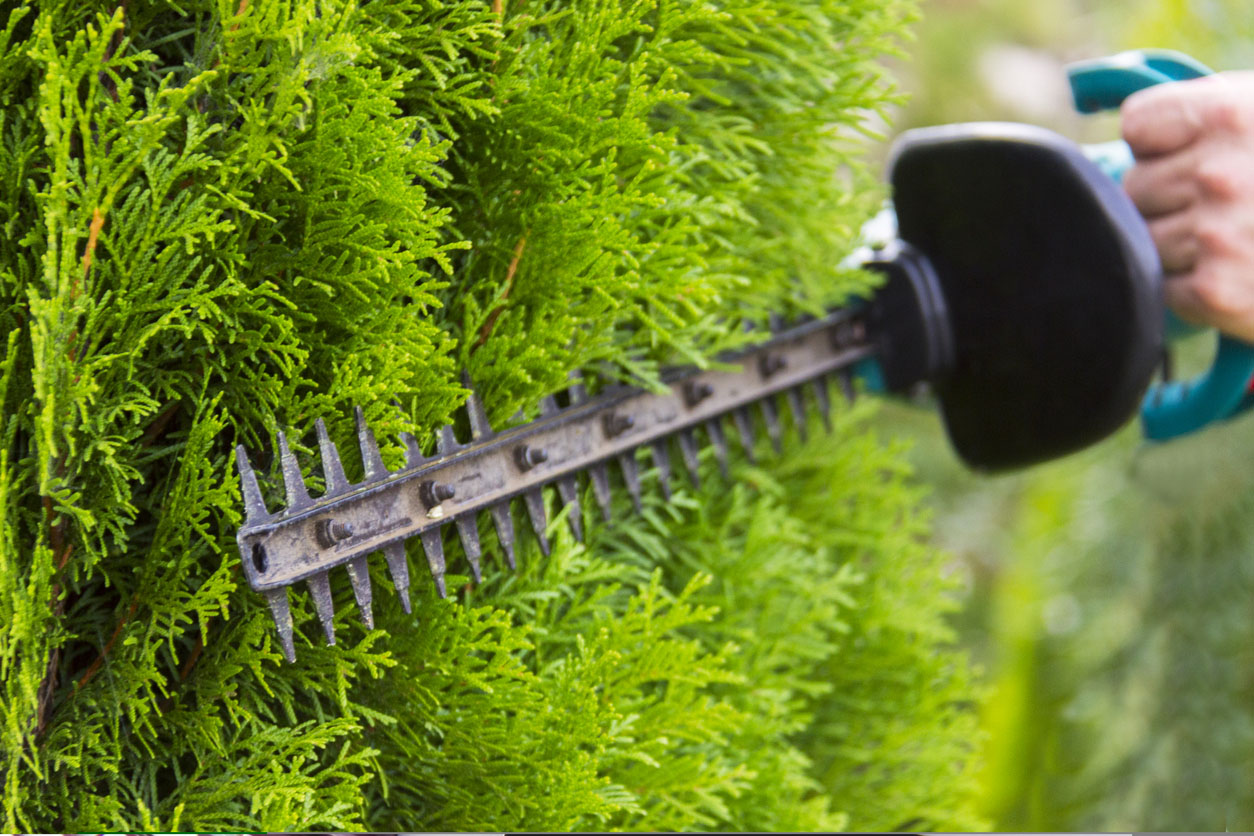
1020	284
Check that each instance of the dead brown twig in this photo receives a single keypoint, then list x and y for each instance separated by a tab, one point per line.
486	330
104	652
56	531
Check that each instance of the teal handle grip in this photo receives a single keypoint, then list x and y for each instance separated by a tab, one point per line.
1179	407
1173	408
1103	83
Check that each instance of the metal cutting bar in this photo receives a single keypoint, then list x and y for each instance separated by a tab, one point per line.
314	535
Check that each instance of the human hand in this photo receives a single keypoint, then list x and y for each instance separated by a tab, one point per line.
1194	184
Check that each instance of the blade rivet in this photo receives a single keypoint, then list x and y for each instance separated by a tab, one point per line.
848	333
260	563
771	363
529	457
695	393
433	493
616	425
331	532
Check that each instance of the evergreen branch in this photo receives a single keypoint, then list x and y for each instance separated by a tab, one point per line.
232	217
47	683
239	12
93	232
105	80
159	424
98	662
486	330
56	532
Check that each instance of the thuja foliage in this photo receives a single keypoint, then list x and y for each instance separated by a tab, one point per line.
222	218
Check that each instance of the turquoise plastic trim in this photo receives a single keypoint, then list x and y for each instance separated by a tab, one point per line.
1113	158
1103	83
1178	407
872	376
1181	406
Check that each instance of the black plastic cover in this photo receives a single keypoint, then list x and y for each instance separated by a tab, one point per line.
1051	282
908	319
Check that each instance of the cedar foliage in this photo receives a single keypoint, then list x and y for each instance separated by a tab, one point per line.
223	218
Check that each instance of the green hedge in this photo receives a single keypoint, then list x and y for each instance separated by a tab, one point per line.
222	218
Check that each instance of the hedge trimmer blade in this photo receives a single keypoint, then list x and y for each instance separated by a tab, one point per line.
1019	283
312	536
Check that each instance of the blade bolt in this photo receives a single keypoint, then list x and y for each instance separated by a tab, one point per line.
770	364
529	457
616	425
695	393
433	494
331	532
848	334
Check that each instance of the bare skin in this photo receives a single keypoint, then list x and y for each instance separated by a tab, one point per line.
1194	184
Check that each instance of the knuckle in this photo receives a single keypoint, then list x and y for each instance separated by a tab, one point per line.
1230	113
1218	177
1213	235
1134	183
1165	231
1213	291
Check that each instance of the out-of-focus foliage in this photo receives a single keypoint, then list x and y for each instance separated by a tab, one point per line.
1109	594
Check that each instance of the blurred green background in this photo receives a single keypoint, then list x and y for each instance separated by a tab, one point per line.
1109	596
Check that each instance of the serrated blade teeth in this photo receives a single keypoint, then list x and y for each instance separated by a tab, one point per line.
662	460
398	568
744	426
479	426
332	467
776	322
770	412
845	377
631	476
600	477
282	613
254	506
433	545
568	490
293	482
370	458
359	575
504	530
534	500
320	591
446	442
819	388
797	407
692	461
413	453
548	405
468	531
578	392
718	440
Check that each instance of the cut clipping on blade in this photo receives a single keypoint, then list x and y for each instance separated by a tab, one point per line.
311	536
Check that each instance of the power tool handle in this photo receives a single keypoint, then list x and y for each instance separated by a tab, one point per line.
1173	408
1103	83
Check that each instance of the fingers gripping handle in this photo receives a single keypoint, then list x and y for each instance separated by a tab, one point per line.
1177	407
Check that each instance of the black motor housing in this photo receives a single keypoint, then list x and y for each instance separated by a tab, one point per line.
1039	276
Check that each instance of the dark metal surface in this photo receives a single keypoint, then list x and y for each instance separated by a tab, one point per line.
312	536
